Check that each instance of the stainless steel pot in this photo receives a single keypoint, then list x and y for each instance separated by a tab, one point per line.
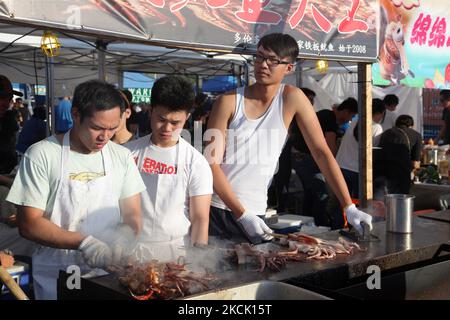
399	212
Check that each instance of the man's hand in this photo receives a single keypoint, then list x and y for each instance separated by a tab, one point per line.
123	243
356	216
96	253
255	226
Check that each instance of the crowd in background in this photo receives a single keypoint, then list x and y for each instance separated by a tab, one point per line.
396	152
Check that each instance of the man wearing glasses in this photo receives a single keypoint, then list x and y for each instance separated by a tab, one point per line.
250	129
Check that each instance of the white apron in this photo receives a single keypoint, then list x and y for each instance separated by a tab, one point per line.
163	207
90	208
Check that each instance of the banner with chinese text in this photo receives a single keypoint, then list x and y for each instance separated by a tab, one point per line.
331	29
414	44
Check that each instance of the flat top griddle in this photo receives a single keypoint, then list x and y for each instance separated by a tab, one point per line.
392	251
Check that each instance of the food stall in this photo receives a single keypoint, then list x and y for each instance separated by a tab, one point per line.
400	258
225	26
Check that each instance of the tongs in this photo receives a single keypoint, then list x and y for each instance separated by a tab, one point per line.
353	235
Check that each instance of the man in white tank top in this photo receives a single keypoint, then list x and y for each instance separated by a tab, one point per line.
250	128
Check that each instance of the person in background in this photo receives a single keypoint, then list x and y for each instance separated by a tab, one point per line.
401	148
63	116
78	195
316	193
179	182
329	120
9	234
444	100
391	102
9	126
348	153
24	114
243	165
122	134
310	94
138	123
33	131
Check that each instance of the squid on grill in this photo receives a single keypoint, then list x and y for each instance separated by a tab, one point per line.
319	249
157	280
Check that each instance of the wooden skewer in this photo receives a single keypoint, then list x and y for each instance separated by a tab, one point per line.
277	235
17	291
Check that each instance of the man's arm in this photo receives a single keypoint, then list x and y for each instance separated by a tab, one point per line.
199	207
309	125
130	209
220	115
33	226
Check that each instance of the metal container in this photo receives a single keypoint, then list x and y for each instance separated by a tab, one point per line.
260	290
399	212
433	156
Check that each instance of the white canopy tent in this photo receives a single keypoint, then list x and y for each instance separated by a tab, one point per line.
342	82
24	62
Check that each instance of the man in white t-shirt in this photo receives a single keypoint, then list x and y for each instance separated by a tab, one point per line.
391	103
78	193
178	178
347	156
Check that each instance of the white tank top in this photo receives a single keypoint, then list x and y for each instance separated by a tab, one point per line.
251	153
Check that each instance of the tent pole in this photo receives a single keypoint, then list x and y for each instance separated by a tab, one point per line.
365	133
239	77
246	74
120	81
49	85
101	48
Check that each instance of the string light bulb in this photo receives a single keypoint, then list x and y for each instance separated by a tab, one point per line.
50	44
322	66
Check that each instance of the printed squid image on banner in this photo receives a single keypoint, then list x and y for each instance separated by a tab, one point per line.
414	44
331	29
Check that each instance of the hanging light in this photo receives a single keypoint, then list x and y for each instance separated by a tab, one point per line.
322	66
50	44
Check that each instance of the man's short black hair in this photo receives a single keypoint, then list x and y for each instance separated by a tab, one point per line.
175	93
308	92
283	45
445	94
404	120
96	95
391	100
378	106
349	104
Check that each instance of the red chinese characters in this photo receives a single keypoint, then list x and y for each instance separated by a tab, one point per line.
350	24
253	11
321	20
347	25
181	4
420	29
437	34
297	16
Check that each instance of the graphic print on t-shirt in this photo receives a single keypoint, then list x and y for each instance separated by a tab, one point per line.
152	166
86	176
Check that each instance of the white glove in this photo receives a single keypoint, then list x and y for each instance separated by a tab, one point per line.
356	216
123	243
255	226
96	253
